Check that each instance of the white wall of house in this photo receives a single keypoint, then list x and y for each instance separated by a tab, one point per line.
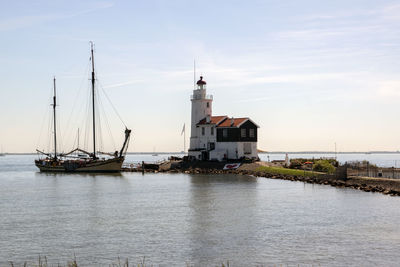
234	150
228	148
248	149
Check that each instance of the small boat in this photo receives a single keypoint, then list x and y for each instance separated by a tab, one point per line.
79	160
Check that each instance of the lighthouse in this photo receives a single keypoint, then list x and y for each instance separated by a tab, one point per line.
201	108
219	137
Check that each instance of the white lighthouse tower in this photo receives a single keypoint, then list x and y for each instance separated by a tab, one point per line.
201	109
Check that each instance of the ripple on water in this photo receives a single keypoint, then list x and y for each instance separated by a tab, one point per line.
174	219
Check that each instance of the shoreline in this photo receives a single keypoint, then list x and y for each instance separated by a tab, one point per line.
367	184
261	152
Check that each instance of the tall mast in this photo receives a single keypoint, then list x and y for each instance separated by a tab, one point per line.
93	105
54	116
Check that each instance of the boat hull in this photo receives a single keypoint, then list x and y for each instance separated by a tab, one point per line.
100	166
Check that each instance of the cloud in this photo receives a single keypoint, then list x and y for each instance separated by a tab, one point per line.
391	12
329	33
243	78
24	21
122	84
21	22
345	23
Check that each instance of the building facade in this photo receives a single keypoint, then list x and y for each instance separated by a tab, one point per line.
219	137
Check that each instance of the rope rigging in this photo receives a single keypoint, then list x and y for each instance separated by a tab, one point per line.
115	110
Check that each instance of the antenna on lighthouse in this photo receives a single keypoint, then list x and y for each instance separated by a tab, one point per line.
194	74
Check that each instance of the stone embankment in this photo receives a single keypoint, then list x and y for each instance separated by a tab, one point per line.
367	184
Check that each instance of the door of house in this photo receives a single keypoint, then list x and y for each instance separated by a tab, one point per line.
205	155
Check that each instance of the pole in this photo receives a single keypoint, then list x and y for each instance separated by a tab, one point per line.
184	138
54	116
335	152
93	104
194	74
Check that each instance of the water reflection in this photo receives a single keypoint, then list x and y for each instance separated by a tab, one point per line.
199	219
79	174
222	215
207	179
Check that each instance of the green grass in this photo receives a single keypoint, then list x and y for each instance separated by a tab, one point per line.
285	171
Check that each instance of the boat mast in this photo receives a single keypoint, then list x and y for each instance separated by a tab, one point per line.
93	104
54	116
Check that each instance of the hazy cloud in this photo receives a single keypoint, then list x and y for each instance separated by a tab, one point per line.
15	23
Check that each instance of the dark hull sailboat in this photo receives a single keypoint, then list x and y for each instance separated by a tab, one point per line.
108	165
89	163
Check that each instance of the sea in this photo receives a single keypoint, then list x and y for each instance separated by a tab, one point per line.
166	219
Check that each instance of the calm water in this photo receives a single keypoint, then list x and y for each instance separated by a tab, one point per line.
174	219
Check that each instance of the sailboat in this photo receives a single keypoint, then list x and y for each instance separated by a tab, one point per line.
92	163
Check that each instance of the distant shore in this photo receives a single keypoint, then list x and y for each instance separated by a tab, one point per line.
271	152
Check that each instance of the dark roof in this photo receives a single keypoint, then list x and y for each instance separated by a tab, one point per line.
201	81
225	121
232	122
213	120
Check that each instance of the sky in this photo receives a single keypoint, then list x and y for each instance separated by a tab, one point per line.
309	73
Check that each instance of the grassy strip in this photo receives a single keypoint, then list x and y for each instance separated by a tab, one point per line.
285	171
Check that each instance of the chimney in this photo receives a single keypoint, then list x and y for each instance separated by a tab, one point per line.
208	119
232	121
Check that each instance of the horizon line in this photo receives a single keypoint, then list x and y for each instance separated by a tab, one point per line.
260	152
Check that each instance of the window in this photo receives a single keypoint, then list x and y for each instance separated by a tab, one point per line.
242	132
208	104
203	130
251	133
225	133
212	130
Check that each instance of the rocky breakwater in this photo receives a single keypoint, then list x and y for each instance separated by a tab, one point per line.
367	184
